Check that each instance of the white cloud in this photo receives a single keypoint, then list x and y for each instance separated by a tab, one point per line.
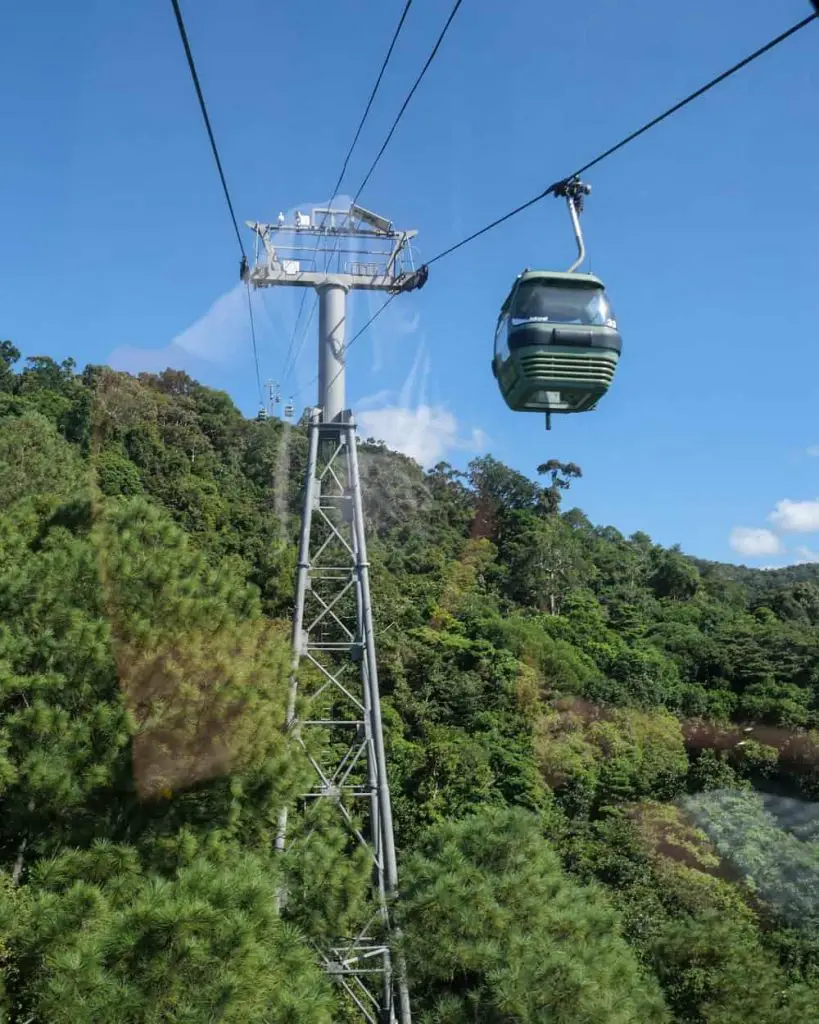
813	451
806	556
213	338
755	541
796	516
426	433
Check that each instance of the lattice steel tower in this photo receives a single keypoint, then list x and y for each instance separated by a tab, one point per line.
332	620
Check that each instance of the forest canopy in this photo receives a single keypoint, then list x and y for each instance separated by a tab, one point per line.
602	752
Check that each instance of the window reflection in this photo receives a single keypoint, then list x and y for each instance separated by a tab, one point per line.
562	304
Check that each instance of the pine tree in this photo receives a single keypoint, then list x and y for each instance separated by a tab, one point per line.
496	932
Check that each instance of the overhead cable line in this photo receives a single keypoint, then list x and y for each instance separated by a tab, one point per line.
252	320
598	159
409	96
215	150
253	340
629	138
287	366
368	175
364	116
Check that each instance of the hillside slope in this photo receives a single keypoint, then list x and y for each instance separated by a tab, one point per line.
602	752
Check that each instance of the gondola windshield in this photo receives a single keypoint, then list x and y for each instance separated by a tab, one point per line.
561	304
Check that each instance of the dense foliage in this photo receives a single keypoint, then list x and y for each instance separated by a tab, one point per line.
603	753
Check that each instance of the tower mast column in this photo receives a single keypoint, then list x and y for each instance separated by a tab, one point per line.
332	323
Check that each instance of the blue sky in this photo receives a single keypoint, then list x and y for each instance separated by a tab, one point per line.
117	246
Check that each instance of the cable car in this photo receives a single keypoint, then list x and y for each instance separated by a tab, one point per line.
556	342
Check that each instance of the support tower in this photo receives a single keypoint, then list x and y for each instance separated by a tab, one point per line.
332	620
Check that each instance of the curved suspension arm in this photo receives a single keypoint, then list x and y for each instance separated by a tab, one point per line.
578	235
574	192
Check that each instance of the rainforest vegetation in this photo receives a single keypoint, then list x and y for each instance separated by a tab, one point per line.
603	753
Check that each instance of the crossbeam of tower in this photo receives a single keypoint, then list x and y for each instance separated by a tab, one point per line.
368	252
336	251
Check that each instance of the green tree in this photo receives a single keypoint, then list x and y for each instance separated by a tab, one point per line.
95	938
797	603
36	464
713	970
562	474
544	561
496	932
9	355
674	577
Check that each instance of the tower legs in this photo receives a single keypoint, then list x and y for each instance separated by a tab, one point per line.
333	635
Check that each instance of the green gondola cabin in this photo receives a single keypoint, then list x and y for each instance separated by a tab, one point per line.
556	343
